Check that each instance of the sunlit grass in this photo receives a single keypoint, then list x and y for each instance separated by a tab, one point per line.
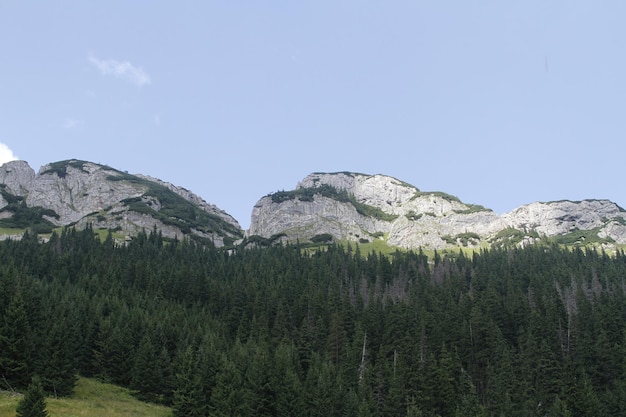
92	399
11	231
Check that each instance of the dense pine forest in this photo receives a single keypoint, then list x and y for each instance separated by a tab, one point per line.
287	331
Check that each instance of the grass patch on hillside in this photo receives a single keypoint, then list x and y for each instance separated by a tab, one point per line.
104	233
472	208
377	245
445	196
91	399
11	231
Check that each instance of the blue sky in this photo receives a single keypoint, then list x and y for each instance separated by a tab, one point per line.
499	103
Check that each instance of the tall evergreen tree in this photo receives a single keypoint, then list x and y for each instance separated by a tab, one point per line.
16	344
33	404
147	374
189	399
56	363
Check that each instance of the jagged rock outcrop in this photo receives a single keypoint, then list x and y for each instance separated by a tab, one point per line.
15	178
600	218
361	208
79	193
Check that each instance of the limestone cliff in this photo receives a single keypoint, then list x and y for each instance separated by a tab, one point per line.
78	192
361	208
323	206
571	221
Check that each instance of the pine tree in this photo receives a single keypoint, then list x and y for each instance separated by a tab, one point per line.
56	364
147	375
189	400
16	343
34	403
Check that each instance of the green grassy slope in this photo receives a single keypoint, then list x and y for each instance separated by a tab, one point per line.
91	399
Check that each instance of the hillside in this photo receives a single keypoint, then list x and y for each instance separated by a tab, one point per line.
91	399
284	331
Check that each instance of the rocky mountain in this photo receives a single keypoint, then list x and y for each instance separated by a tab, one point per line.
78	193
362	208
323	207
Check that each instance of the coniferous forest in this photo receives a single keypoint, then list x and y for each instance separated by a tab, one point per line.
286	331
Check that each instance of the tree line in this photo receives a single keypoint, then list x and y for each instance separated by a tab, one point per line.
282	330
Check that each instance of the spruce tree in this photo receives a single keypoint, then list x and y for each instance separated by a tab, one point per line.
189	399
56	365
34	403
16	343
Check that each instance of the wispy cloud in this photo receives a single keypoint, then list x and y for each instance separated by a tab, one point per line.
71	123
6	154
121	69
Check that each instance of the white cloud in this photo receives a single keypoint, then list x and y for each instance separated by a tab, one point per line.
121	69
6	154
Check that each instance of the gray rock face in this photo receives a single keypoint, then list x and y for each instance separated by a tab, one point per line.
303	220
81	193
16	176
402	214
347	206
387	208
82	190
565	217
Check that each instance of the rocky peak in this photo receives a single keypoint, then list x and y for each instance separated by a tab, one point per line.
73	189
367	207
78	193
16	176
381	191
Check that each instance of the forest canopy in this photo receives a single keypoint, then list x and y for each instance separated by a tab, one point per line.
279	331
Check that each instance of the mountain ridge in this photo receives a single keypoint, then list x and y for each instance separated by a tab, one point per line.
412	218
323	207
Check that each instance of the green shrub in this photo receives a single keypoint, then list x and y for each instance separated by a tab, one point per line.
60	168
443	195
326	190
28	217
472	208
322	238
581	238
413	216
619	220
